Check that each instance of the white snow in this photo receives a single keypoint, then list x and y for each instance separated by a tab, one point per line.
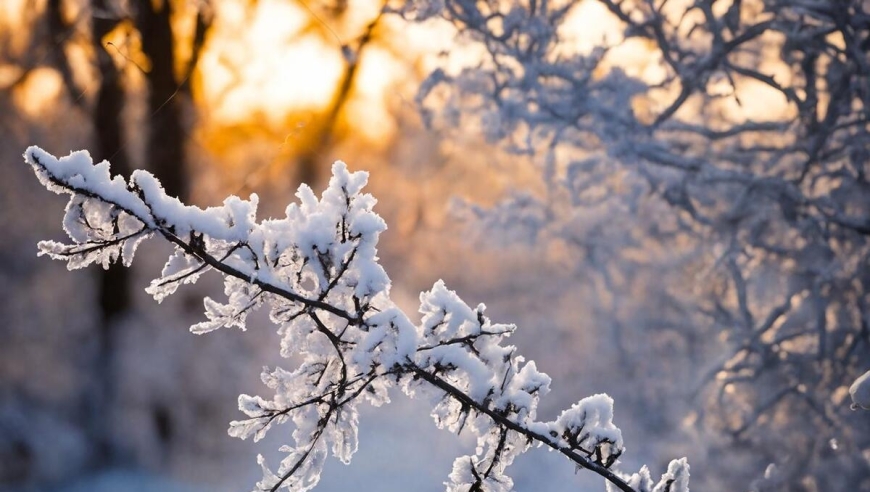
317	272
860	392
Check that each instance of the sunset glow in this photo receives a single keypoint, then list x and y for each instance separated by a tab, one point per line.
261	63
38	92
277	65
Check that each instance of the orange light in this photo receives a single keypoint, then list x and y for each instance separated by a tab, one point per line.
38	92
262	63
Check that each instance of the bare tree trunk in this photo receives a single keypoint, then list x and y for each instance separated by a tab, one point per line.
114	283
60	31
165	149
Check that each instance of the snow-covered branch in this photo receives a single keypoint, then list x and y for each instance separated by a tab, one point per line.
316	270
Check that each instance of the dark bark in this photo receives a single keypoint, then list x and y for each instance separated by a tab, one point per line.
60	31
165	148
114	283
108	131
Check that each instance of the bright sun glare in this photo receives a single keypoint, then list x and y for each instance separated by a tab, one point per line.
259	63
263	62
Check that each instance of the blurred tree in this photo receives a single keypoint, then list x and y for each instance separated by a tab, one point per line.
749	121
314	113
114	282
72	26
310	168
166	135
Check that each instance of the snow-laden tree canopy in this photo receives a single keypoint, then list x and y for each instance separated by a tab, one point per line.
316	271
734	136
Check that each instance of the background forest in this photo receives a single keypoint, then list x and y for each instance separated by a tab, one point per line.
670	199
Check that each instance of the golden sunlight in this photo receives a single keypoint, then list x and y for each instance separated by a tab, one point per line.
13	13
38	92
11	9
263	63
588	25
368	110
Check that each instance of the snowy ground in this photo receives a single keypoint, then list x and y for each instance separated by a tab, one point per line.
400	450
128	481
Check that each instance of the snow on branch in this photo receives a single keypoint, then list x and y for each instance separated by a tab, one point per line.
316	270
